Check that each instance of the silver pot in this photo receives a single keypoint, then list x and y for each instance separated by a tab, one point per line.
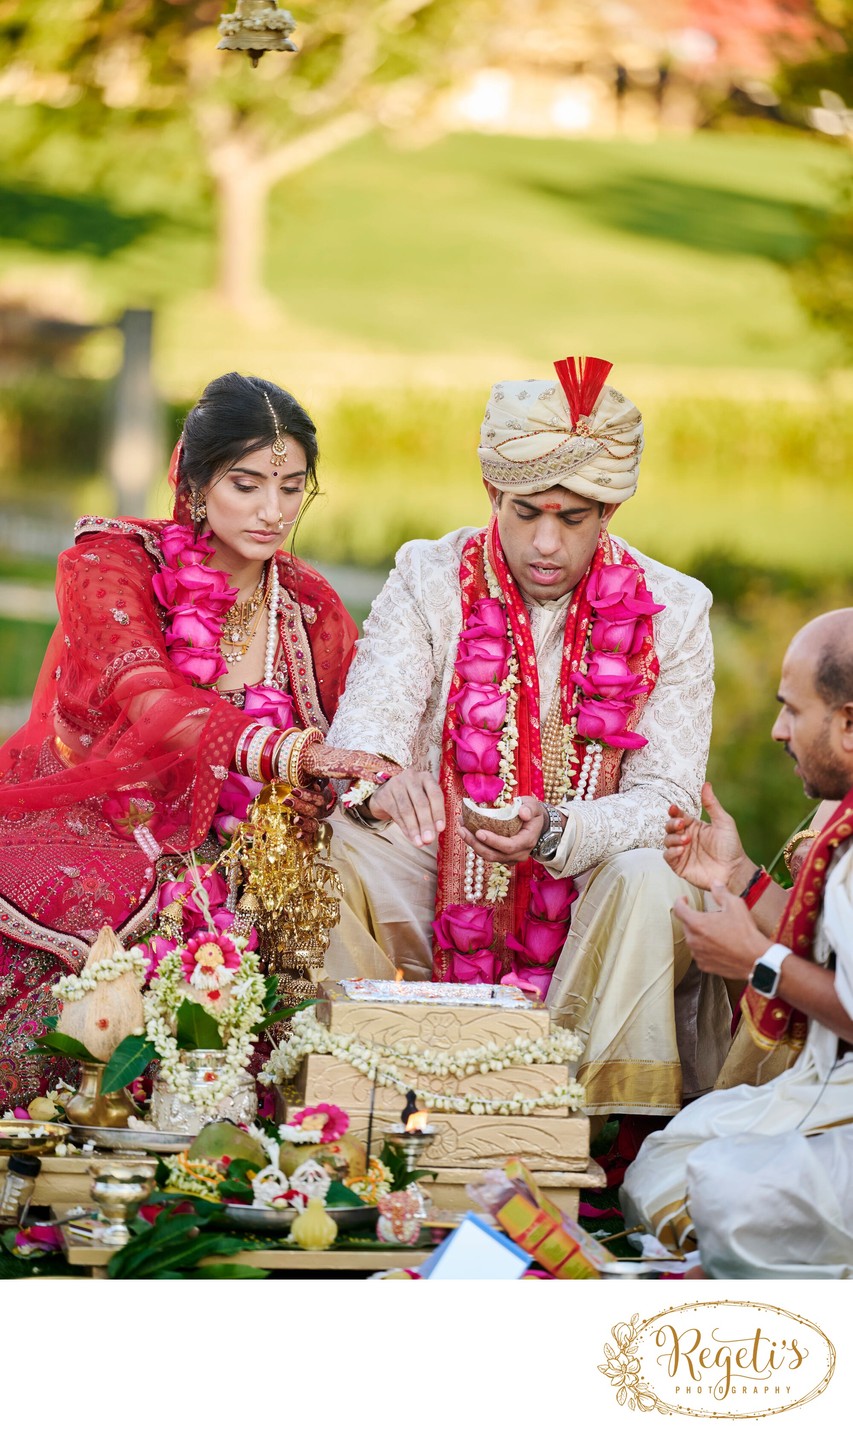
173	1114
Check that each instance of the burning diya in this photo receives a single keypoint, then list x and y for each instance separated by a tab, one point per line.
410	1138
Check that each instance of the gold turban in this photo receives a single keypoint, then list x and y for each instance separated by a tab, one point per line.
578	433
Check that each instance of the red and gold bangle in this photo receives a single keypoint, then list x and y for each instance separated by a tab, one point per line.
255	749
266	766
242	748
303	740
758	884
282	753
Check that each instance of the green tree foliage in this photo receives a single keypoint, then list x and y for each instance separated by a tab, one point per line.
95	91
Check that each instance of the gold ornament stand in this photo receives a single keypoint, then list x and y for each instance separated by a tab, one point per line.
291	892
553	1142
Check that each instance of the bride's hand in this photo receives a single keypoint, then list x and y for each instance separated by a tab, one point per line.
319	760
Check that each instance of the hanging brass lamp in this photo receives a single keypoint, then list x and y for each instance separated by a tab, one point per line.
256	26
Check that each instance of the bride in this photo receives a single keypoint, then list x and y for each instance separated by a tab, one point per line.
194	660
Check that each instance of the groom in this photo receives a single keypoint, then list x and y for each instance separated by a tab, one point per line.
552	677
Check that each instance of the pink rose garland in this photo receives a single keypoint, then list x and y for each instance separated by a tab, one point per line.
621	609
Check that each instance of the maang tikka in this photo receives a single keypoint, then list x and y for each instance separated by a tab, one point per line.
279	444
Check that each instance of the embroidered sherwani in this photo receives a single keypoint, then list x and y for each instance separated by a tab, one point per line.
763	1176
615	979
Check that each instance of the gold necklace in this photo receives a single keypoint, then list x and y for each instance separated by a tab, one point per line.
242	620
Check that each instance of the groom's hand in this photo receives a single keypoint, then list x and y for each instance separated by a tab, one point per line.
413	800
496	848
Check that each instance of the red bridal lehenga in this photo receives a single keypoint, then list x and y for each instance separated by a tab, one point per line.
120	766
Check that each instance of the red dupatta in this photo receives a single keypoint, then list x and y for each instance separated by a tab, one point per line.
113	723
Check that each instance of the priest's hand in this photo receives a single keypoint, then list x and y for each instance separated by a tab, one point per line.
496	848
706	853
413	800
728	942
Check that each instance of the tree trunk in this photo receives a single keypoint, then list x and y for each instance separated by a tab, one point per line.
242	191
245	172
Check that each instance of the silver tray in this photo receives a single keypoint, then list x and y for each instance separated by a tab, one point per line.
18	1135
132	1140
270	1219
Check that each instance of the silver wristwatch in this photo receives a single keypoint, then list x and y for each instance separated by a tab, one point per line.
549	841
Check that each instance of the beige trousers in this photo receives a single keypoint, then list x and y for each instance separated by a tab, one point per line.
656	1030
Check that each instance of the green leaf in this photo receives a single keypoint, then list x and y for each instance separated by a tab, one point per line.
129	1060
229	1269
341	1196
61	1043
196	1028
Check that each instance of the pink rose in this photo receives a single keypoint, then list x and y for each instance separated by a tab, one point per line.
622	637
155	950
603	721
271	706
195	585
609	677
179	547
552	899
165	586
476	750
531	978
482	660
481	706
480	788
464	927
618	591
189	626
478	967
174	889
487	619
202	666
538	941
235	796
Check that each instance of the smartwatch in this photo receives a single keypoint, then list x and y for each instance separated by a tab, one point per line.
764	977
549	840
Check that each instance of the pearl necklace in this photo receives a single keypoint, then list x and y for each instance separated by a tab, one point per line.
475	876
272	624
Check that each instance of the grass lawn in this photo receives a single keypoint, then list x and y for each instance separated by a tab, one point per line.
667	253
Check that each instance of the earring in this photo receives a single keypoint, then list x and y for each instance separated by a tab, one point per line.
198	508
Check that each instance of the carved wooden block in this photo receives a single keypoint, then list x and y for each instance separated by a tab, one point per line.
324	1079
448	1030
545	1144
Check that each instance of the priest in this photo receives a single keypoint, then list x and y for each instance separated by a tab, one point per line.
762	1176
551	685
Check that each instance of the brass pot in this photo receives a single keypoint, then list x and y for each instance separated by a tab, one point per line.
93	1109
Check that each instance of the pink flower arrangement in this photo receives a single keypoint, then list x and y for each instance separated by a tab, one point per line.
335	1121
196	599
538	940
477	750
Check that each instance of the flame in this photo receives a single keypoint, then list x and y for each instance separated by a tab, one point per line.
398	975
416	1122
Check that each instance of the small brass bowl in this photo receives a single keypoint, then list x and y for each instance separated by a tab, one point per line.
27	1135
